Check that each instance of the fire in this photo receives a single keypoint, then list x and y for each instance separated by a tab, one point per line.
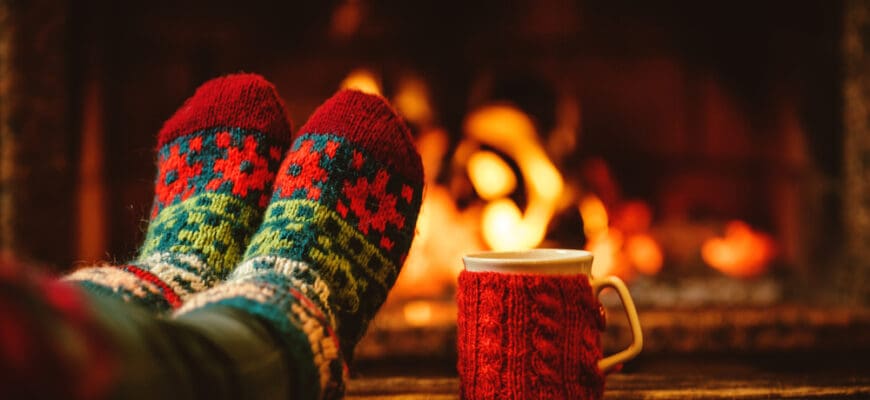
444	235
511	131
644	253
622	246
418	312
742	253
608	256
502	150
594	216
504	228
491	176
363	80
412	100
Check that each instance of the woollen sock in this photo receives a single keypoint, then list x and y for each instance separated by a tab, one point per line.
333	239
217	159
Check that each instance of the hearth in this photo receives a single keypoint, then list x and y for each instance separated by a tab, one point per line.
712	155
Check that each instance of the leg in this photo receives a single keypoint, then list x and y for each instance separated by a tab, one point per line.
59	341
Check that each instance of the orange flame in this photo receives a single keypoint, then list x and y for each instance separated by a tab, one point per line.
363	80
491	176
505	226
444	235
417	312
608	259
595	220
742	253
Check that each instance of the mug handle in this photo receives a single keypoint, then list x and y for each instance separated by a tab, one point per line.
607	363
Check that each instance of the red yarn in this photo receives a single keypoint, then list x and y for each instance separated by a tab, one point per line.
258	175
523	336
168	293
366	120
246	101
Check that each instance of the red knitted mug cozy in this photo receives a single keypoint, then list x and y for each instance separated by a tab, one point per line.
527	336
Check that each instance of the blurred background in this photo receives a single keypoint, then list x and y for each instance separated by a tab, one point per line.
712	154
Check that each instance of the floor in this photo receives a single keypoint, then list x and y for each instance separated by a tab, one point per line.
845	375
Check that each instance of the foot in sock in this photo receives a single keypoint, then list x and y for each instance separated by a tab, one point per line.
333	239
217	159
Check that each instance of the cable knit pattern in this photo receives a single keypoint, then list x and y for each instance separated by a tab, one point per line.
524	336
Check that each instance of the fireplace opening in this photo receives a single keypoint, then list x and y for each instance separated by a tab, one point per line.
701	151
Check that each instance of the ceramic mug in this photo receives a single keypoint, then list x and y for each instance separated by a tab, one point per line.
529	325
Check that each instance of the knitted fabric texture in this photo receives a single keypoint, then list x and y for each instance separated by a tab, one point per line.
333	239
216	159
524	336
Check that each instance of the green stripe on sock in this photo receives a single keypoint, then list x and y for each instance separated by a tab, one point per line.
212	226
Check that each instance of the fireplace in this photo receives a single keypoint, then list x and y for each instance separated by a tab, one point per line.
708	154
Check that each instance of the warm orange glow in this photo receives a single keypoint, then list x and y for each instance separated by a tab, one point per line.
547	181
432	145
418	312
594	215
346	19
644	254
622	246
512	132
606	249
444	235
363	80
412	101
491	176
741	253
633	217
503	227
92	191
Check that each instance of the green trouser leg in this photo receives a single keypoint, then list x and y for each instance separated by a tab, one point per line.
218	353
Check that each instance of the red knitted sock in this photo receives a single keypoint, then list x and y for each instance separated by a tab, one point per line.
524	336
217	159
333	239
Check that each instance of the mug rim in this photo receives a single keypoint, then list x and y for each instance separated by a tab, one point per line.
546	260
508	256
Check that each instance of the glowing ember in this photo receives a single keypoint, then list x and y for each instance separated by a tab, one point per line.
363	80
644	254
742	253
624	248
418	312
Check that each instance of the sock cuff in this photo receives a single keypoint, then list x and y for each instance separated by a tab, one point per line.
370	122
246	101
